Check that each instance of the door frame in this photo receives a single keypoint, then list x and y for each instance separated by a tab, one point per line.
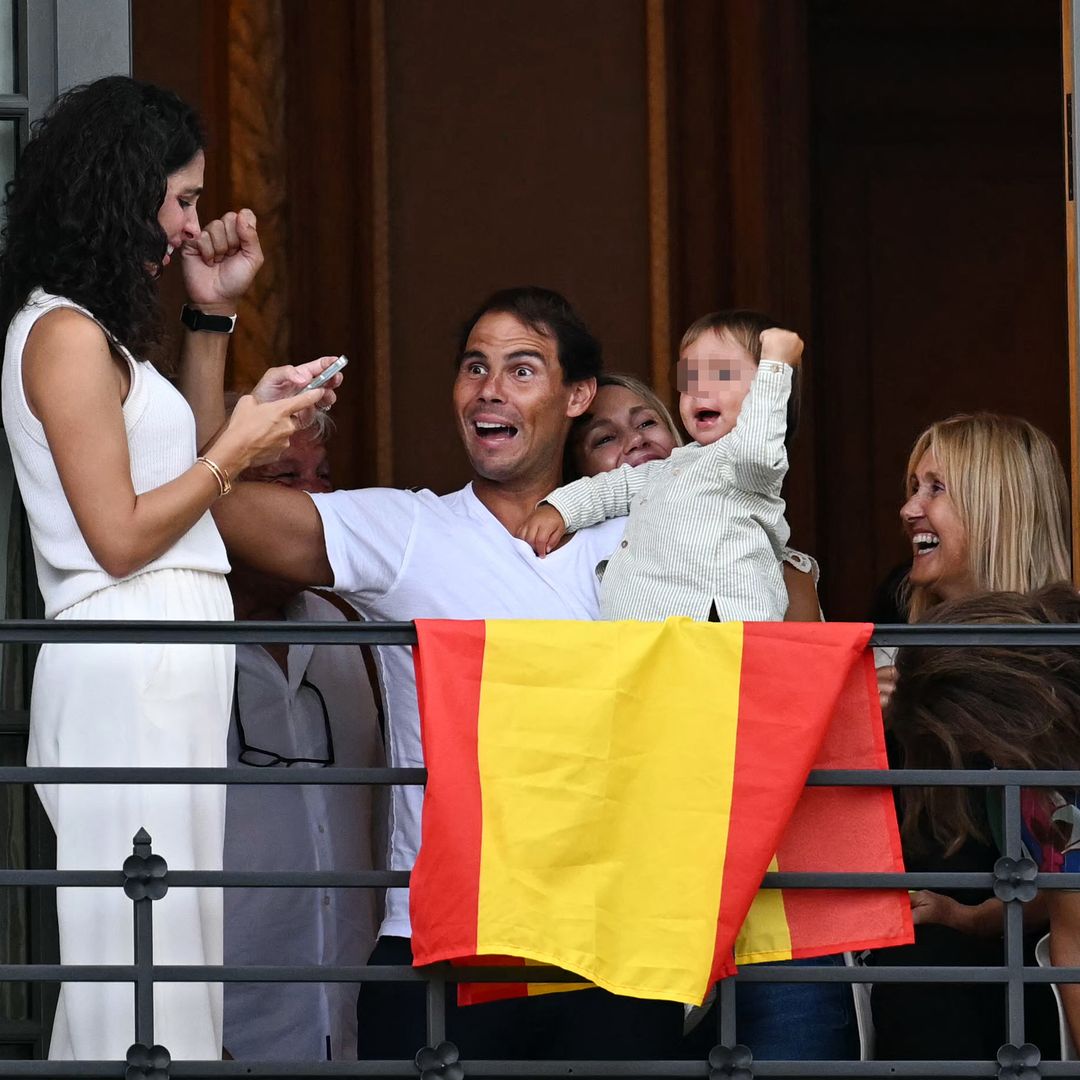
1070	61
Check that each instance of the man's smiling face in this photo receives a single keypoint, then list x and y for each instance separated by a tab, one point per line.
511	403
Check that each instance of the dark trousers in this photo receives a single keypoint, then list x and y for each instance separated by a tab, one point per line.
582	1025
787	1021
954	1021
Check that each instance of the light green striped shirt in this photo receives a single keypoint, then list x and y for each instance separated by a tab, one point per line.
706	525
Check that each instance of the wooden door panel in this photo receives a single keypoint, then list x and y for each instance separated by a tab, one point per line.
940	281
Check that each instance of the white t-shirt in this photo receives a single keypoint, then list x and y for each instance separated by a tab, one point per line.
401	555
300	828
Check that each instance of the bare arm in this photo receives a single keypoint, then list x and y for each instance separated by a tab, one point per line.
270	528
803	603
75	387
276	530
1065	950
202	366
986	919
218	269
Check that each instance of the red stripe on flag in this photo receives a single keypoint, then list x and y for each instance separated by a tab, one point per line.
780	730
445	883
846	829
881	753
479	993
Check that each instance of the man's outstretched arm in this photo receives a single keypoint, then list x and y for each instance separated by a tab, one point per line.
276	530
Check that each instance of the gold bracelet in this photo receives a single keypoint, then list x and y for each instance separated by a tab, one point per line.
220	475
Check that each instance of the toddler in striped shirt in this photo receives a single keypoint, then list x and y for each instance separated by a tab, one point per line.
706	529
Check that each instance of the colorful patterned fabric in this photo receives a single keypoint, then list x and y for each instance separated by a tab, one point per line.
1051	828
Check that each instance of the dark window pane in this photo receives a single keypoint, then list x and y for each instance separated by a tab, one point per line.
14	913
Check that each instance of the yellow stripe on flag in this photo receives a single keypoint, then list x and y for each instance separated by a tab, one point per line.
538	989
765	935
563	878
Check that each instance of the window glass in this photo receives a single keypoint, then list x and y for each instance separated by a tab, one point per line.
9	140
8	51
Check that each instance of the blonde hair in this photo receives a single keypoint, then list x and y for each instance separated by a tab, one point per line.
648	395
1005	478
571	469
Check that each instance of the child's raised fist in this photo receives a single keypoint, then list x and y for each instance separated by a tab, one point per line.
784	346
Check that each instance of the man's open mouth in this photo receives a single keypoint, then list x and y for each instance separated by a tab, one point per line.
489	431
924	543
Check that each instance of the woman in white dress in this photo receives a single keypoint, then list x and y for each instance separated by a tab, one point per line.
106	454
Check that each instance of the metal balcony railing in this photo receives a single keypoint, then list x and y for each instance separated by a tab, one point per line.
1015	880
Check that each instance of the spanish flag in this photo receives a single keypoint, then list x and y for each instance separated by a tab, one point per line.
606	797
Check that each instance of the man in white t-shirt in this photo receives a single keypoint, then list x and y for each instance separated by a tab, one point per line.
527	367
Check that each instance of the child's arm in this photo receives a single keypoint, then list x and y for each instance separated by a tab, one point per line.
755	450
584	502
543	529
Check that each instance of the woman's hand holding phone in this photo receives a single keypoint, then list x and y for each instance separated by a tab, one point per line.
327	374
288	381
258	432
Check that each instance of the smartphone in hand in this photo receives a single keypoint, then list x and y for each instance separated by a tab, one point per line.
325	376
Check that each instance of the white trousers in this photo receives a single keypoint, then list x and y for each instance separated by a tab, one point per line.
137	705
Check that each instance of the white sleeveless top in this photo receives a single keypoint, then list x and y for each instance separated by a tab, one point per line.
161	444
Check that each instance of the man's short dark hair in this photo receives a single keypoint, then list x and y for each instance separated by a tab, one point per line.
546	312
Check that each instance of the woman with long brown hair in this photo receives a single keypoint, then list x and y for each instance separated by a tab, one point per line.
1010	707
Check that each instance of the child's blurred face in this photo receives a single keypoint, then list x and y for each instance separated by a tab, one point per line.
715	374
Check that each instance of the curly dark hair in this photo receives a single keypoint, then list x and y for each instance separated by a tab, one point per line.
81	213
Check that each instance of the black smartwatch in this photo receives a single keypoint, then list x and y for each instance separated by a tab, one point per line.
194	319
